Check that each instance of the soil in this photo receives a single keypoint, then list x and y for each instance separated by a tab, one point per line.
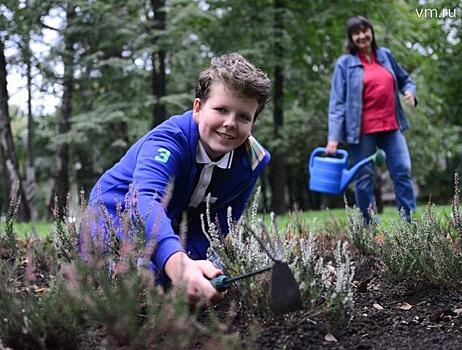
386	315
414	316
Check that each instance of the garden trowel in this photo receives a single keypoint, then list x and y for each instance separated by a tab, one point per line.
284	291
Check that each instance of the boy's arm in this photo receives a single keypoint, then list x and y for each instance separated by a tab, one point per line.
158	162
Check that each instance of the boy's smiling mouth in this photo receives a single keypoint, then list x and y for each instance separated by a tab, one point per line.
225	136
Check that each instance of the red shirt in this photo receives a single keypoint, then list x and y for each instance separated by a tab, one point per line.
378	97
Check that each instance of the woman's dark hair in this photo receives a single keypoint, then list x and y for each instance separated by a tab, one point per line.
353	25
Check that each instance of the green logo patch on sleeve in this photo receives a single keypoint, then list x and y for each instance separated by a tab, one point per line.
163	155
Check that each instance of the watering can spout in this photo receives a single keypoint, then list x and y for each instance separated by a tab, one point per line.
347	175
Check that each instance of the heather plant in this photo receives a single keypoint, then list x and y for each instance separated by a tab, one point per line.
134	312
330	227
360	233
325	276
34	316
9	236
456	215
239	253
104	290
325	284
425	249
131	310
325	279
65	236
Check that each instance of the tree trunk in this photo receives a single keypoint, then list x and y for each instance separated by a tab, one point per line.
31	185
61	175
158	62
10	164
278	175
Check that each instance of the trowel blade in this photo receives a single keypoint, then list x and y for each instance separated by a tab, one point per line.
285	292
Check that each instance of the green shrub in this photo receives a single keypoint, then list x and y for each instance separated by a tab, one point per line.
361	234
425	249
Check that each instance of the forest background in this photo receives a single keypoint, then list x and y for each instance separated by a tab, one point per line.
118	68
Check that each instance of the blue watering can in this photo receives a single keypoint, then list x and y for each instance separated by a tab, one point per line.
331	175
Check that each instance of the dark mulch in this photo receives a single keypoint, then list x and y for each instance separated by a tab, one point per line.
432	322
386	315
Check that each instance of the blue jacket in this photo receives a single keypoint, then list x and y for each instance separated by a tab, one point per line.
345	103
168	154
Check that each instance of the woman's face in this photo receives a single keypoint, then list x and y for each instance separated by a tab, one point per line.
362	38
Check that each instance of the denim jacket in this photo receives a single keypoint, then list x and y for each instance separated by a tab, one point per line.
345	103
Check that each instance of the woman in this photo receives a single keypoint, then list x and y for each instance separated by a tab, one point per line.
365	112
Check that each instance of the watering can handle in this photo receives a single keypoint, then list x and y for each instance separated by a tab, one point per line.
319	150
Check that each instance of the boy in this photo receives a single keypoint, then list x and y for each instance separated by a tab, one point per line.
206	151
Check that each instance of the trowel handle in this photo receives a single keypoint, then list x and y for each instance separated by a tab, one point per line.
223	282
220	283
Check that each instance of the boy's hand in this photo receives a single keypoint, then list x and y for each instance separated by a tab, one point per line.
195	276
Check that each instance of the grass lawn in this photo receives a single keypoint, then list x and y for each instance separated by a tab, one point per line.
315	218
318	217
23	230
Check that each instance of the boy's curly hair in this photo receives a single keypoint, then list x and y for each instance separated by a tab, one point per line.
237	74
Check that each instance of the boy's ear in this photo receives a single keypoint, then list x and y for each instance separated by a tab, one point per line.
196	108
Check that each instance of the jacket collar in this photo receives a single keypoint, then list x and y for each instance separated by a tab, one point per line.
355	61
256	152
202	157
379	56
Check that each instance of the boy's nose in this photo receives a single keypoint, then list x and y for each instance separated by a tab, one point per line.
230	120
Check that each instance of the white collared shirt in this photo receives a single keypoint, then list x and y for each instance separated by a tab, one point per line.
205	177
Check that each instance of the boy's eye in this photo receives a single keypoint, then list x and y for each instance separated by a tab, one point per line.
220	109
246	118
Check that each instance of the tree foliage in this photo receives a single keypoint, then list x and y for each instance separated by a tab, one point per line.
118	44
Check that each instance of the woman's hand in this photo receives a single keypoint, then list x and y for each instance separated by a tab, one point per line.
409	98
331	147
195	276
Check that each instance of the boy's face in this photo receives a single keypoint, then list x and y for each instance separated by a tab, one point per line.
225	119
